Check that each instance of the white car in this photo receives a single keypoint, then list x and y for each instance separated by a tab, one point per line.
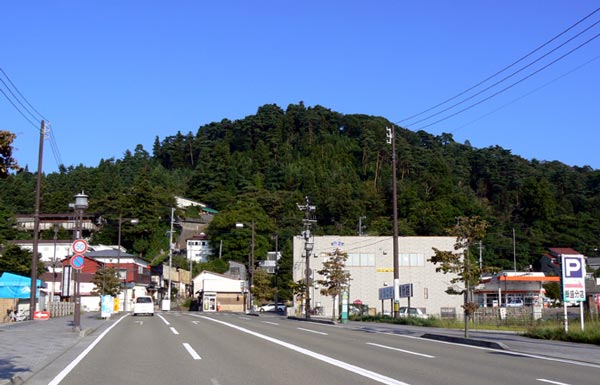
271	307
143	305
413	312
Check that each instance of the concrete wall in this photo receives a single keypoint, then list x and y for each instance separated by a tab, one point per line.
370	264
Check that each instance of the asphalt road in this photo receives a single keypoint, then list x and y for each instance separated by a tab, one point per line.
227	349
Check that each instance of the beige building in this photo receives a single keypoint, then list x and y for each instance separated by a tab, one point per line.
371	267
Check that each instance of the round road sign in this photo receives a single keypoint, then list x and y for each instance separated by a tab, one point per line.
80	246
77	262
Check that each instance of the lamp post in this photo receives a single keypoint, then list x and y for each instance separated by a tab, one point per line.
133	221
81	203
250	267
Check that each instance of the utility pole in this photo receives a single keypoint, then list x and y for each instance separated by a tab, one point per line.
360	225
308	247
514	251
167	302
391	139
36	223
480	256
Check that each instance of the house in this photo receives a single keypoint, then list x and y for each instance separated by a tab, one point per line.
218	292
371	266
133	271
510	287
198	248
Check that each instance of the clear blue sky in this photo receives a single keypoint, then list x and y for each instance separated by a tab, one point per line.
109	75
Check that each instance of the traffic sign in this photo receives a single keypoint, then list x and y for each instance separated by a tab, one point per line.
573	278
77	262
41	315
79	246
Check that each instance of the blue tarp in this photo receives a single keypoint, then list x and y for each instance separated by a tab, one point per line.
16	286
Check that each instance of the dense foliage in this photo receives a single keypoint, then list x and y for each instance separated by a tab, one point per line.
256	169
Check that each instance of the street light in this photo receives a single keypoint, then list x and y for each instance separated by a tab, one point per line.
81	203
250	267
133	221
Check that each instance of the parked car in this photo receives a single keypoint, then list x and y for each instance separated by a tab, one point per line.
412	312
143	305
515	302
271	307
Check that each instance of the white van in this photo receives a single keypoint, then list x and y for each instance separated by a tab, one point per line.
143	305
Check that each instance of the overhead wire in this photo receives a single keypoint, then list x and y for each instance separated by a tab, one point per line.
506	77
525	95
512	85
501	71
34	119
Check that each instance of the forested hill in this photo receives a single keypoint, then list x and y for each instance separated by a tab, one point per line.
259	167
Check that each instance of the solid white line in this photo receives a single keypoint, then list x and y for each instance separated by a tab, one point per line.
552	382
174	331
61	376
400	350
192	352
164	320
270	323
332	361
313	331
507	352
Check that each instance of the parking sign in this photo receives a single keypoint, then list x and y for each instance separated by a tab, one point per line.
573	278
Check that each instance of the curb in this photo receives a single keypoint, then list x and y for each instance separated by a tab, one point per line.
466	341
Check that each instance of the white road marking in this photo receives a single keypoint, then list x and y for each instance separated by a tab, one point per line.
195	322
401	350
61	376
552	382
246	318
174	331
164	320
313	331
192	352
270	323
508	352
332	361
139	322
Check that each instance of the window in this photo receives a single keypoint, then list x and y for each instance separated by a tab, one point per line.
360	260
412	260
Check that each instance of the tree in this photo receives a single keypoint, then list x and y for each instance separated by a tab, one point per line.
335	278
107	282
263	291
7	162
467	231
18	261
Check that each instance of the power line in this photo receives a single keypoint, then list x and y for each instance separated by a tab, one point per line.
502	70
527	94
32	119
512	85
506	77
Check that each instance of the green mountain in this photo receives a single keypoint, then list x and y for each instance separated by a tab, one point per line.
258	168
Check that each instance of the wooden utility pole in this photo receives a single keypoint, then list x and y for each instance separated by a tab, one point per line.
36	223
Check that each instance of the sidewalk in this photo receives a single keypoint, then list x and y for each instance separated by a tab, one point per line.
29	346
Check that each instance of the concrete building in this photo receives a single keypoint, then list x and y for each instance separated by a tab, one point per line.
218	292
371	266
515	288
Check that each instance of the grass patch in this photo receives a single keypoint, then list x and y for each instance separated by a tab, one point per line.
591	334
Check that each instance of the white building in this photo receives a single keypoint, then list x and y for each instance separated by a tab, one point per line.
220	293
371	267
198	248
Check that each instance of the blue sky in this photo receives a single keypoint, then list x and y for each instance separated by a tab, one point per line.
109	75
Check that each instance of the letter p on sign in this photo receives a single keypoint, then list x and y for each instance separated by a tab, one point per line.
573	268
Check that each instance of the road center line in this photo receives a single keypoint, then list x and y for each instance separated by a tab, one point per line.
270	323
192	352
332	361
552	382
400	350
313	331
164	320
